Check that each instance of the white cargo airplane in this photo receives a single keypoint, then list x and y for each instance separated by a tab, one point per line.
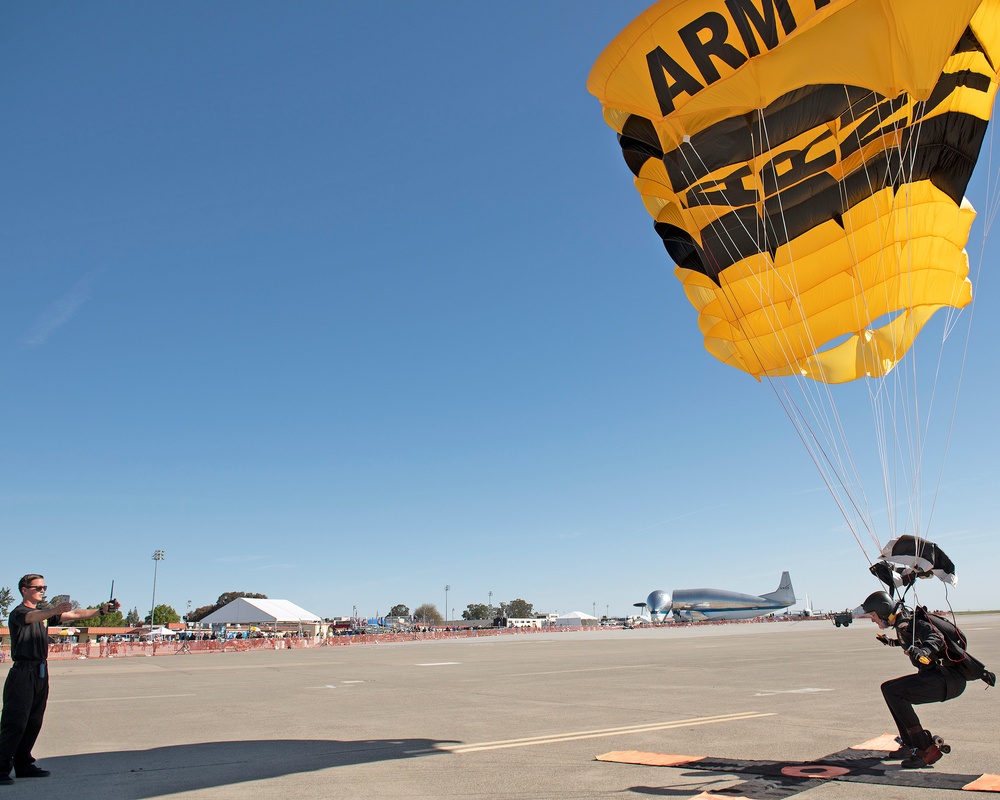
693	605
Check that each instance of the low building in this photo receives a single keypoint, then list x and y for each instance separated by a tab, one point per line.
526	622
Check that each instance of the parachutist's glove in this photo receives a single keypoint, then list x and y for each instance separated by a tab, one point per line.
886	640
921	656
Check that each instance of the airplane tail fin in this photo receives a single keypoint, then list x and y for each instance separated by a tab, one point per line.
784	593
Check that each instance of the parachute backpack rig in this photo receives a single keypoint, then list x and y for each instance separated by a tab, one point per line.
902	562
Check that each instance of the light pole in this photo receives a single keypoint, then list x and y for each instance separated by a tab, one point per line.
447	588
157	558
489	608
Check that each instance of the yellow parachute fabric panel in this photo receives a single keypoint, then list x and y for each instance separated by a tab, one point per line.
808	184
766	321
888	46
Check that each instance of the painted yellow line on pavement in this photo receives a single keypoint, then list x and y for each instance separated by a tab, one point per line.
600	733
117	698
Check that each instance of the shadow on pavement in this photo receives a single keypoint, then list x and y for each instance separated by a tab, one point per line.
139	774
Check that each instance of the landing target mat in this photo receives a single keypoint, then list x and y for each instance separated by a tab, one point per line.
773	780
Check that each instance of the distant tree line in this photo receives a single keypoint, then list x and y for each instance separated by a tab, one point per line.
516	609
426	613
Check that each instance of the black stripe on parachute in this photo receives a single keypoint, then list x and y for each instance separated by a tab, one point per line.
711	167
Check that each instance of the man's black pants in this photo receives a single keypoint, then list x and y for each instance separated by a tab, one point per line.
24	697
934	685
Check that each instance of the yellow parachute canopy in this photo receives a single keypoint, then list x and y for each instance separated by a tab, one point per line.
805	163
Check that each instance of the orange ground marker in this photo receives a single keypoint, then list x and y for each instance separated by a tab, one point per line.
648	759
984	783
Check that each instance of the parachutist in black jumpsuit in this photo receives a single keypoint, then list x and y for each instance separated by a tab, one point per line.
933	682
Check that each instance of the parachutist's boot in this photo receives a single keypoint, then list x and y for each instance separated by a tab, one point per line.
922	742
929	750
904	751
915	761
922	759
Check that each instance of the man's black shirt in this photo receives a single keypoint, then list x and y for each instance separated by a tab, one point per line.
28	642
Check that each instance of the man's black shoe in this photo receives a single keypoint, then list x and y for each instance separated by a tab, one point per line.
6	780
914	762
32	772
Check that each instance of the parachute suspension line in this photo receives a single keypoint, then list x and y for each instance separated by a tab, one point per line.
878	393
830	452
908	372
851	241
819	399
888	400
894	395
879	397
920	432
989	213
895	408
951	611
798	422
797	418
813	447
992	192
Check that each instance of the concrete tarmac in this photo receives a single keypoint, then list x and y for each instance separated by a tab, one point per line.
519	717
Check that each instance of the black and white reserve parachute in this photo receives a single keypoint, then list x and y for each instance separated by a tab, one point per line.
907	558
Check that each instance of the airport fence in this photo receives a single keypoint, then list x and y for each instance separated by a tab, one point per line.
66	651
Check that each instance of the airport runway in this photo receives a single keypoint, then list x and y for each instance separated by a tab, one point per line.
518	717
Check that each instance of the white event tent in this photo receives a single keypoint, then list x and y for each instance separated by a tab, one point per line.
266	614
576	619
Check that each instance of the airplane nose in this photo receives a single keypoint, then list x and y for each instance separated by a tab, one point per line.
659	602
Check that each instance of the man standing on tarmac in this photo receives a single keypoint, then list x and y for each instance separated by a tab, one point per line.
27	688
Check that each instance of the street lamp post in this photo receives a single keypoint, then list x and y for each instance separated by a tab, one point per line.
490	606
157	558
447	588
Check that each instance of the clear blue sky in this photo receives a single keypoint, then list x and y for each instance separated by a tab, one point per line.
343	302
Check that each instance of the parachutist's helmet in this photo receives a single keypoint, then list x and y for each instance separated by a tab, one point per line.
880	604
